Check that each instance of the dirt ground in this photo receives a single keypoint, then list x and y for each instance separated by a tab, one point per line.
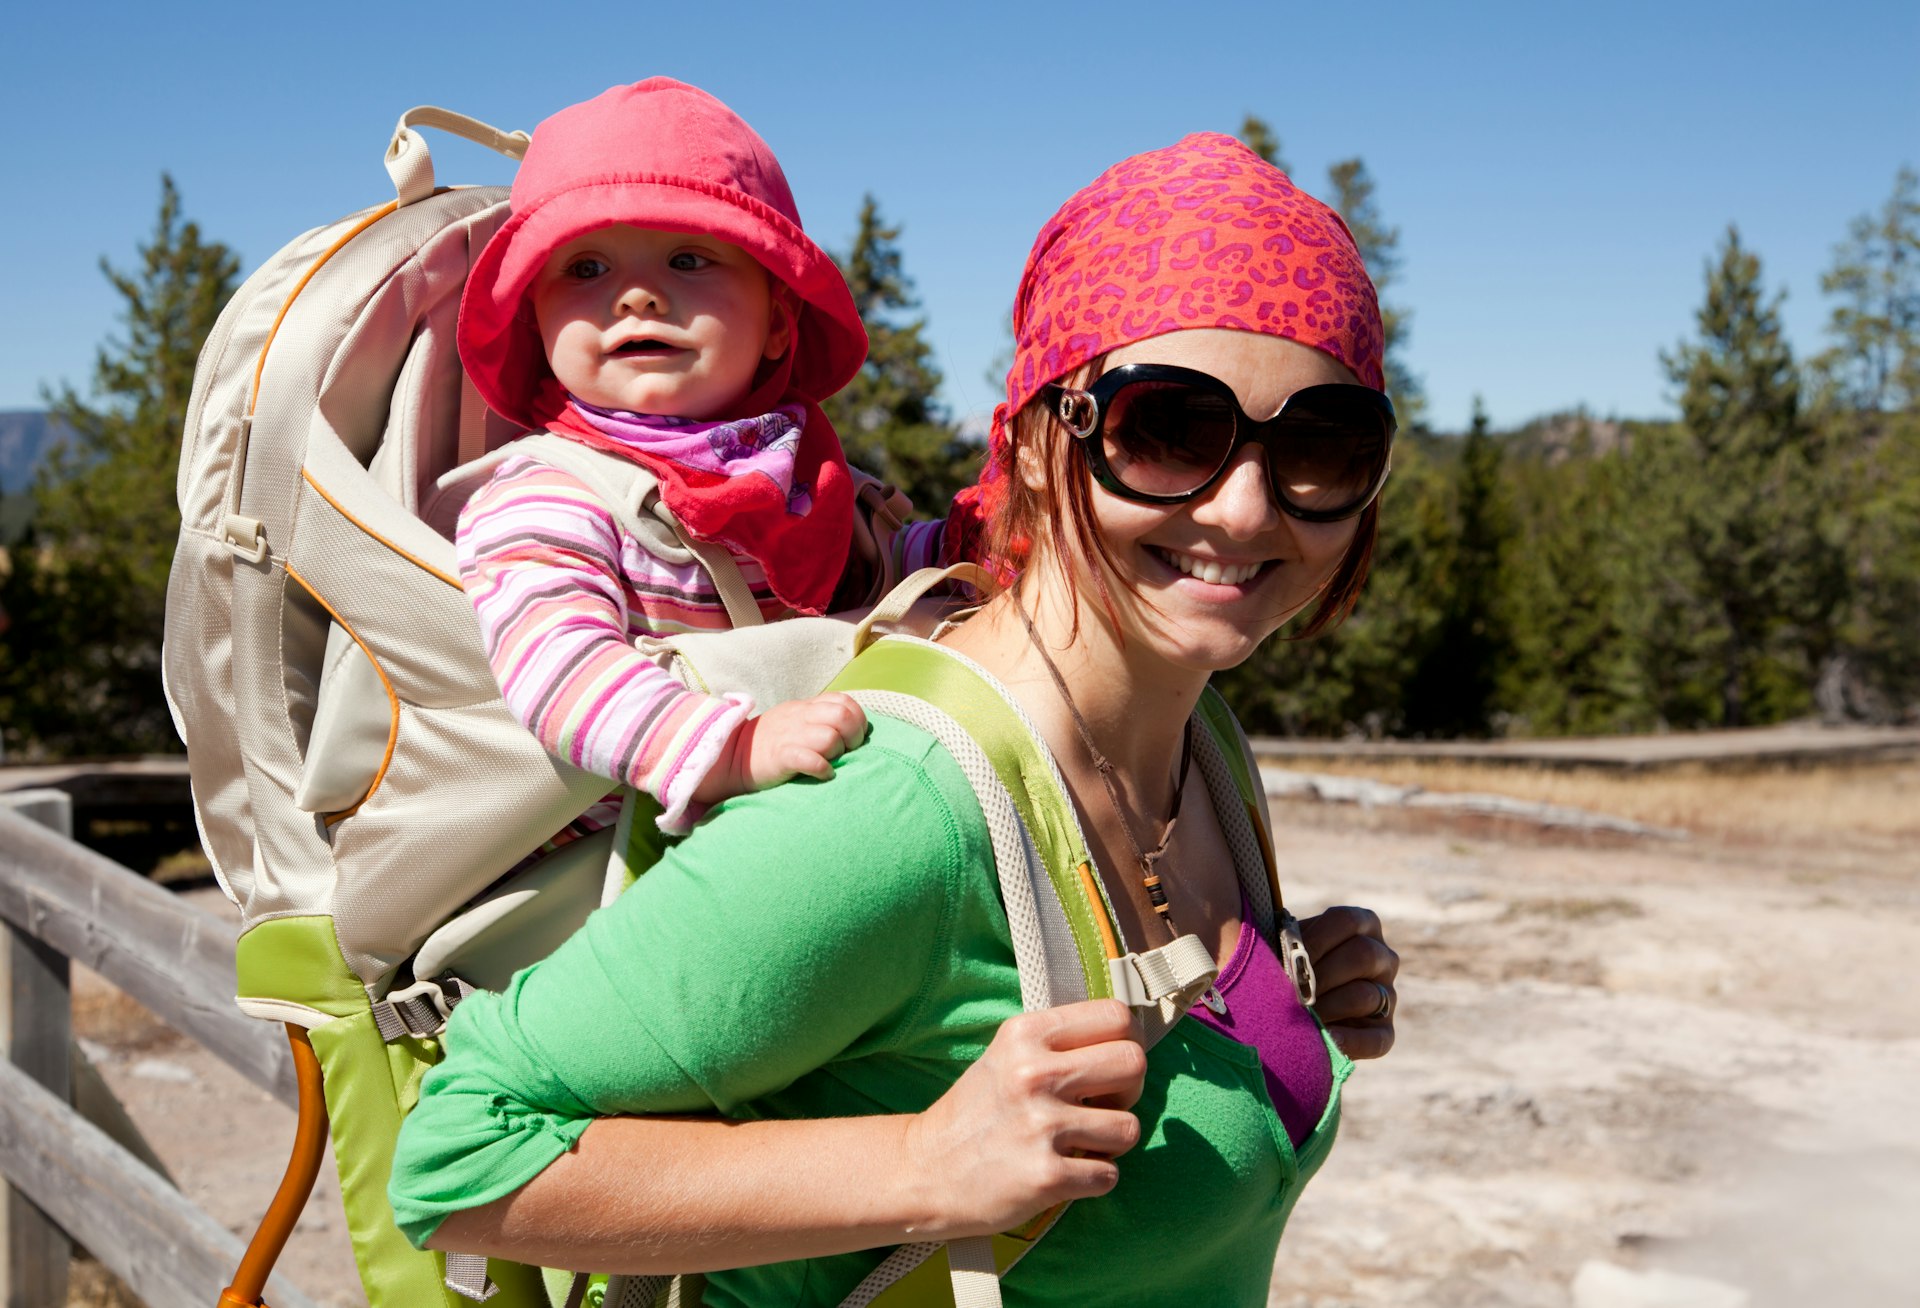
1629	1073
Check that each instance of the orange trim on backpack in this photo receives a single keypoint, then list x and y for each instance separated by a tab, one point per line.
414	559
260	364
1107	941
393	700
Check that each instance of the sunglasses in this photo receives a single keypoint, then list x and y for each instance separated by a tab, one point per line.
1167	434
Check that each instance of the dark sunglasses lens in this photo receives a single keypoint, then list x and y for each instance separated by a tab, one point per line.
1329	451
1166	438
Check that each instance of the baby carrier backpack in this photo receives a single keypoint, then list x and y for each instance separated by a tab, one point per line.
361	789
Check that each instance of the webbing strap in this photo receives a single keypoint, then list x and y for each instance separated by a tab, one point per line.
976	1281
1182	965
625	487
467	1276
473	421
421	1009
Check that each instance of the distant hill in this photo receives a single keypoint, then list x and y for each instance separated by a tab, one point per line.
25	437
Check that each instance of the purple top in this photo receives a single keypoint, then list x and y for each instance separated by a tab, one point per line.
1264	1012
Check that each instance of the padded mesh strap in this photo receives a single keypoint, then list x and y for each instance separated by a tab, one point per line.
634	1291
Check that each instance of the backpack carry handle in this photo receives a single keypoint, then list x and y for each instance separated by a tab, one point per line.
409	163
894	606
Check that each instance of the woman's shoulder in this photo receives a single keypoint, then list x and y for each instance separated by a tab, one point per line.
898	794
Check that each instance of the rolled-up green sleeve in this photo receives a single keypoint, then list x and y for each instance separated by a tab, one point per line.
795	927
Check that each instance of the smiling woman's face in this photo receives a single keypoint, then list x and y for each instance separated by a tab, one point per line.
668	323
1199	585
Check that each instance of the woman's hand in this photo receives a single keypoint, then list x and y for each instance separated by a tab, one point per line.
1036	1121
1353	969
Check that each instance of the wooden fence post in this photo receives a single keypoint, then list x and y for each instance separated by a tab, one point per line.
36	1028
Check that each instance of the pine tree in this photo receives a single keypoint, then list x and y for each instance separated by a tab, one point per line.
1874	364
888	419
1379	247
80	671
1870	415
1258	137
1452	693
1577	597
1738	493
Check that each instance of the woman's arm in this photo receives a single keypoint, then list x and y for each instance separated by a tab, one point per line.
817	951
1037	1121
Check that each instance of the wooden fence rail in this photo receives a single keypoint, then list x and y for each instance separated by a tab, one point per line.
67	1179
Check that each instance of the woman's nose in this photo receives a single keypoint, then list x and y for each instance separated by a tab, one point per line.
1241	502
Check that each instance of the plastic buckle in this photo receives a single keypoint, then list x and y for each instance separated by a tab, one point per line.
1295	959
246	537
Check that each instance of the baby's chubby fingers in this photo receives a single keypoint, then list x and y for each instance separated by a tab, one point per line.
802	737
840	714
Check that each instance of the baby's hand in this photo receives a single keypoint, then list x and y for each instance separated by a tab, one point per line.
799	736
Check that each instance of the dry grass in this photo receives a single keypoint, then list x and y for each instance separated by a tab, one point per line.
104	1013
1872	805
89	1285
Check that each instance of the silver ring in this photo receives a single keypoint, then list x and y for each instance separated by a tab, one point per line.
1386	1003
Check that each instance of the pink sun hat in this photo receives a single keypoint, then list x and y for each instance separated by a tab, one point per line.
663	155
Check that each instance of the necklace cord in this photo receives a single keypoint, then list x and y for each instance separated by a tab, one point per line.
1149	879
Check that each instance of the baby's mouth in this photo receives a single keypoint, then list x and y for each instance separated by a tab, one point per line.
646	345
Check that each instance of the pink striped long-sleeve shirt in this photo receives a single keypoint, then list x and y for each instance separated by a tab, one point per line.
561	591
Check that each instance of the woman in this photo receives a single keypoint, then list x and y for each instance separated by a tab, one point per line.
831	962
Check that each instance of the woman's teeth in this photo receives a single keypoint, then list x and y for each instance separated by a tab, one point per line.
1212	572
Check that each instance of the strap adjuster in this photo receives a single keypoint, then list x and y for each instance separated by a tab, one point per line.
1180	969
420	1010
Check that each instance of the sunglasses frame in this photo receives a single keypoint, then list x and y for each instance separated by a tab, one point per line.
1081	411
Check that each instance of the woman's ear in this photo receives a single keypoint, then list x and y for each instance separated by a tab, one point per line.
786	311
1031	465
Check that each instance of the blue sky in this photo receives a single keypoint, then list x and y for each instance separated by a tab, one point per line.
1560	174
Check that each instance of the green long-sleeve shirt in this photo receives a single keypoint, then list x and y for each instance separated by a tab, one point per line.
837	949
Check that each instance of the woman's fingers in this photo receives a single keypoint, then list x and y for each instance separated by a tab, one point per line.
1037	1119
1354	971
1369	1040
1098	1132
1365	1000
1357	958
1323	931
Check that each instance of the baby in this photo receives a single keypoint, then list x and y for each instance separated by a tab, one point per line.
653	296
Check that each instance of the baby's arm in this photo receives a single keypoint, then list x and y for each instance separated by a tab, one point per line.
540	560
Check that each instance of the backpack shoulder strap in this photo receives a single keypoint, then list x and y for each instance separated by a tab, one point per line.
1229	759
1065	939
633	495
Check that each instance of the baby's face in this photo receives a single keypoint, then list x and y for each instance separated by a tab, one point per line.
669	323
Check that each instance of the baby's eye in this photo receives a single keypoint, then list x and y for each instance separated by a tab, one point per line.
688	261
585	268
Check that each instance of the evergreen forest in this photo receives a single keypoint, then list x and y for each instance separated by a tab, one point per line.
1755	560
